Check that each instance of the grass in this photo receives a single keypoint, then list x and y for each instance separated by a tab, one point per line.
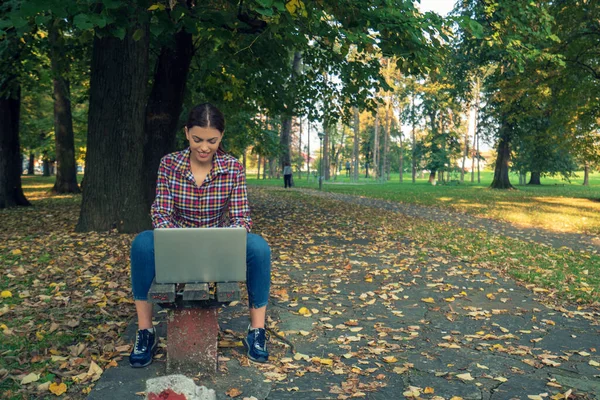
555	205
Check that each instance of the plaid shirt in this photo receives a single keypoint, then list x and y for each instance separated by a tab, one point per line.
181	203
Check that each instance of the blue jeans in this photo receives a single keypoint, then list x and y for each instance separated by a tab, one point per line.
258	268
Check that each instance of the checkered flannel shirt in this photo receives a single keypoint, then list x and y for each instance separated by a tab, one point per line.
181	203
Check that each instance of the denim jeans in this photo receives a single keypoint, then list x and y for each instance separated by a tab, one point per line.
258	267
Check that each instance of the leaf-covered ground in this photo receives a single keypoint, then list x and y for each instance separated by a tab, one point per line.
375	303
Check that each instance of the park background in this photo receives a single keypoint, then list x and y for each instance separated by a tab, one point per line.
490	110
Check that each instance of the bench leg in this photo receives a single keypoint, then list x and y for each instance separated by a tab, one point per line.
192	341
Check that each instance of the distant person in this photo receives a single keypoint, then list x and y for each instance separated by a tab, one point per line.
347	168
287	175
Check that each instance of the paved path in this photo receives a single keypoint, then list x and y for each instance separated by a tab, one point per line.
371	316
575	241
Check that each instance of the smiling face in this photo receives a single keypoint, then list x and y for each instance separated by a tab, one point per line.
204	143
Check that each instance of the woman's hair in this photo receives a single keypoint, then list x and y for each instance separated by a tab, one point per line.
206	115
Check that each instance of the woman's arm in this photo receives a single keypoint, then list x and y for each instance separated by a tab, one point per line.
239	209
162	208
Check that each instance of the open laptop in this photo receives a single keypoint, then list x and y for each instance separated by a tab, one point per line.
200	255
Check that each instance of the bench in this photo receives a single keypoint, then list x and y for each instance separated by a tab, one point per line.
192	326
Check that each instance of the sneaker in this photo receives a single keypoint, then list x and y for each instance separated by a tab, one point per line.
256	345
145	346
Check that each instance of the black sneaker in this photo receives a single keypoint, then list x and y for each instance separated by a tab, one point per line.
145	346
256	345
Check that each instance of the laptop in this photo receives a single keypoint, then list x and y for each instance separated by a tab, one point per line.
185	255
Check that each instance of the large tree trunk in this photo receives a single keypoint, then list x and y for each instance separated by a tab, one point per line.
501	179
11	191
534	179
113	195
164	107
66	172
586	174
356	141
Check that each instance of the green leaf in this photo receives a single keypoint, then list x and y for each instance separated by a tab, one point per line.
280	6
112	4
120	33
476	29
267	12
42	19
265	3
157	6
82	22
138	34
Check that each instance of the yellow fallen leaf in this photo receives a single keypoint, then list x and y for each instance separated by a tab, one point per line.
233	392
326	361
304	311
390	359
490	296
482	366
500	379
428	300
32	377
594	363
429	390
6	294
16	252
450	299
465	377
58	389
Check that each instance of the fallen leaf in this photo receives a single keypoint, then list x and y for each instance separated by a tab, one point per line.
6	294
32	377
428	300
58	389
233	392
465	377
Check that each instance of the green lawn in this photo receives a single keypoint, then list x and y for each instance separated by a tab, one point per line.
555	205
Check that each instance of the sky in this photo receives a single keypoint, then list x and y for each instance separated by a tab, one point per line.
441	7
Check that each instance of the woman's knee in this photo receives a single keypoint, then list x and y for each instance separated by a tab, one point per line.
258	247
142	247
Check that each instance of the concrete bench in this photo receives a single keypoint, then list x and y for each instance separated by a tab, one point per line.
192	326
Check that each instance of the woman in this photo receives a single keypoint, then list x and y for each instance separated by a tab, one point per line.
193	189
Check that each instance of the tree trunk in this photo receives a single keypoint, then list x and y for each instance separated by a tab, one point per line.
264	168
432	177
376	147
356	142
325	158
113	195
45	164
66	175
31	164
386	142
501	179
300	149
258	167
285	139
401	160
479	160
11	191
586	174
308	149
535	178
164	107
414	143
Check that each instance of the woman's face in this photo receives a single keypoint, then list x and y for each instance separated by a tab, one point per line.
204	143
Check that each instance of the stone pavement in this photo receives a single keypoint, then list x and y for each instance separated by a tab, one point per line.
377	316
